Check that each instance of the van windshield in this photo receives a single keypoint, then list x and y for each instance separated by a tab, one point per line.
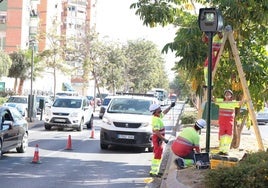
130	106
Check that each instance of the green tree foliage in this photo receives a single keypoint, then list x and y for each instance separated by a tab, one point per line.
54	57
5	63
249	22
19	69
135	66
145	66
89	50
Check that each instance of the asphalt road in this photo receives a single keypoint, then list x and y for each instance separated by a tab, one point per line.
85	165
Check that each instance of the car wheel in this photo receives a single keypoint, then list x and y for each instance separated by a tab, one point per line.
150	149
1	149
24	144
80	128
47	127
103	146
90	123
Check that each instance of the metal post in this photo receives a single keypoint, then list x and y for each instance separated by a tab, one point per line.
31	91
210	37
113	84
95	85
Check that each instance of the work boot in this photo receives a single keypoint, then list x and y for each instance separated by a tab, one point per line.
180	163
155	175
222	153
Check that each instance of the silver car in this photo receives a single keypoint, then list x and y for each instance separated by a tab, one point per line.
19	102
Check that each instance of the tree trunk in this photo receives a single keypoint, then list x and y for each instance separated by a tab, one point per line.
15	85
55	81
20	86
237	133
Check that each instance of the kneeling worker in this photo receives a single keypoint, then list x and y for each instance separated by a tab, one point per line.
187	143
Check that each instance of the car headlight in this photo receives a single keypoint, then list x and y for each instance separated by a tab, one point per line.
107	121
147	124
74	114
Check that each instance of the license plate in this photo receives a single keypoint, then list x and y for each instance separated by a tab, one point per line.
123	136
60	120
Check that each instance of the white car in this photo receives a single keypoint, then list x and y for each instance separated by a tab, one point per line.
127	122
69	112
19	102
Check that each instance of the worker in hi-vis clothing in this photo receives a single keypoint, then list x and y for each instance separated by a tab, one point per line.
187	144
226	120
158	136
216	45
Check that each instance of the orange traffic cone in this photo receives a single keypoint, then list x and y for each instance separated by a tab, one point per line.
92	133
69	143
36	155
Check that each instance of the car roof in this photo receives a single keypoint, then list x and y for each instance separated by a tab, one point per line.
134	97
22	96
71	97
110	96
7	107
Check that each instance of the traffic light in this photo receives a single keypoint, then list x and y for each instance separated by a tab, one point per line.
210	20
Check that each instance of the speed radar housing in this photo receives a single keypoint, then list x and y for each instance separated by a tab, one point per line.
210	20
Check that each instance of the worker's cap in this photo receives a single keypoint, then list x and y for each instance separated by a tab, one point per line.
228	90
201	123
154	107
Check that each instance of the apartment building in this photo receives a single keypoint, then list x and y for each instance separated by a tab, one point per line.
14	25
23	21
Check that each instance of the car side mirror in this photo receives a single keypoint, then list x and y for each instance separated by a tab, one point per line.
85	108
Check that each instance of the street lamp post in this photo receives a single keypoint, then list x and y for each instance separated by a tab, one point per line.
30	111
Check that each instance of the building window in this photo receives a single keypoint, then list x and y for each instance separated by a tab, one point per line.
3	19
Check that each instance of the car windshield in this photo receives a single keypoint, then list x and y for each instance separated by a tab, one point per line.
130	106
67	103
17	100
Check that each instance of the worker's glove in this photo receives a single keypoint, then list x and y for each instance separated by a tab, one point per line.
166	141
172	104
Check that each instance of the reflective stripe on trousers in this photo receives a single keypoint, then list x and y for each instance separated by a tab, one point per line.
155	166
225	143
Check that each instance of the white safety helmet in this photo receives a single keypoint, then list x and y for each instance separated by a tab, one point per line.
228	90
201	123
154	107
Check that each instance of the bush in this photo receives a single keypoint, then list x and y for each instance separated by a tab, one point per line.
188	118
249	172
2	100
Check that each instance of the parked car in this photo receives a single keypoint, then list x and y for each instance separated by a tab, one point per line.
69	112
127	122
262	117
19	102
47	102
13	130
67	93
104	105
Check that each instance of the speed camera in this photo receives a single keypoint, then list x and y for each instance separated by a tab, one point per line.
210	20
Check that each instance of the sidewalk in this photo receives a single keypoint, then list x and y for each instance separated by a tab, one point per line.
192	177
